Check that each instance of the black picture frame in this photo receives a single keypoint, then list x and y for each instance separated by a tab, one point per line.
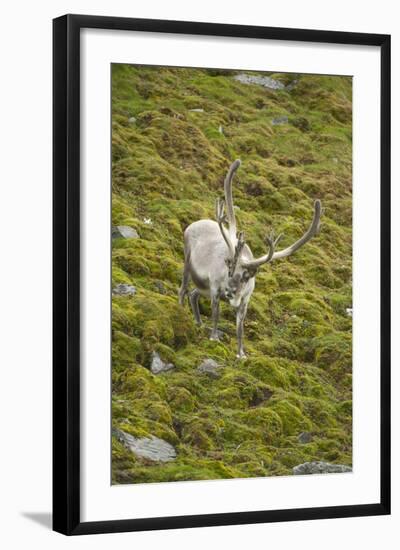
66	272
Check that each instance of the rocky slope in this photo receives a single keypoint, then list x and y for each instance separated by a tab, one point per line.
174	134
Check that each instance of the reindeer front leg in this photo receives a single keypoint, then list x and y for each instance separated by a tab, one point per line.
240	317
215	316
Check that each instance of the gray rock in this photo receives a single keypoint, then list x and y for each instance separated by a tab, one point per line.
124	290
320	468
279	120
158	365
151	448
132	120
304	437
209	367
124	232
265	81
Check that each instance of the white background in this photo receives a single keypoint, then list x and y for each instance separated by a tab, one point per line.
100	500
26	274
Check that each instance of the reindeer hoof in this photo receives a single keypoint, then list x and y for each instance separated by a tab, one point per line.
241	355
217	335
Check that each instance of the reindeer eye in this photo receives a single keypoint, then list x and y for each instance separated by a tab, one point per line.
245	276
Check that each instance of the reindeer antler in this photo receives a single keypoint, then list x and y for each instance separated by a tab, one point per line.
234	250
229	199
271	242
221	219
238	251
272	255
236	244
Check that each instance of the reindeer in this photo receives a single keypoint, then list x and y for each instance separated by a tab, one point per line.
221	264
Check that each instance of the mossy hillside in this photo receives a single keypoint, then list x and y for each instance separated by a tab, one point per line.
169	164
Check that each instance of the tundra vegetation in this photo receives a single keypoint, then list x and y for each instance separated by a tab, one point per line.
174	134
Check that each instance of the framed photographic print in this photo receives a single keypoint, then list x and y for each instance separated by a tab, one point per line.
221	274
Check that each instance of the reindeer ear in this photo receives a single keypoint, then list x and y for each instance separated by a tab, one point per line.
248	274
253	271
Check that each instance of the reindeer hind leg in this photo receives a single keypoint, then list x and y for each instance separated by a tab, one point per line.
183	290
194	302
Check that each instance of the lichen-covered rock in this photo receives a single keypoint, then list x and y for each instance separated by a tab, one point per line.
151	448
265	81
279	120
124	232
124	290
304	437
158	365
320	468
210	367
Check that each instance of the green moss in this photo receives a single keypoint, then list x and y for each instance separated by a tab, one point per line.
180	399
168	167
333	349
292	419
266	420
272	371
201	433
125	349
230	398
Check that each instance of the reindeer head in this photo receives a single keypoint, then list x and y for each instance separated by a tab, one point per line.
238	275
240	268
